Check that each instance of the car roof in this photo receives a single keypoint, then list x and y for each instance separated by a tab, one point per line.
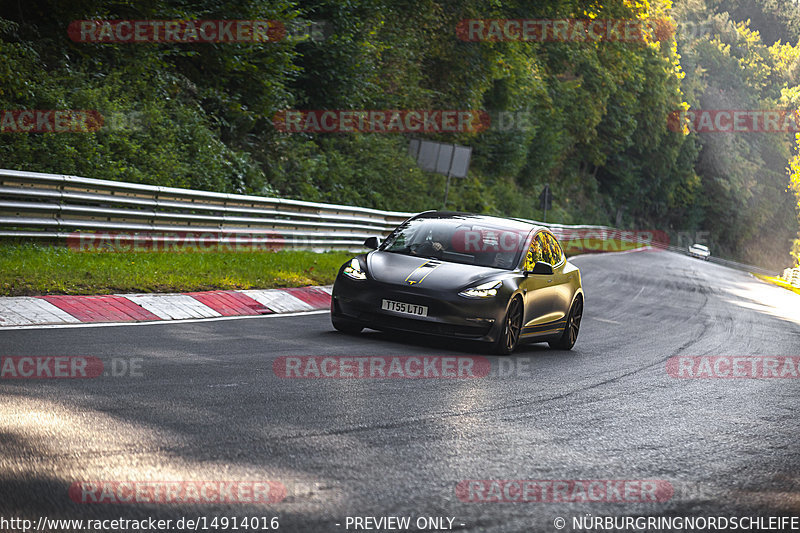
513	223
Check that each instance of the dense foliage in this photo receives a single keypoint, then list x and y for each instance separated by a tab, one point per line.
596	114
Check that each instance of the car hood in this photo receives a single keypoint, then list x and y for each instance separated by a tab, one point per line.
434	274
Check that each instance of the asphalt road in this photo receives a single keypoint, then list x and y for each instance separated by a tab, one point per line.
205	404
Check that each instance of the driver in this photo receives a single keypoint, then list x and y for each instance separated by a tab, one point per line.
434	242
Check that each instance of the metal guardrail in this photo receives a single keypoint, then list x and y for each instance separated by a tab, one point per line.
58	207
738	266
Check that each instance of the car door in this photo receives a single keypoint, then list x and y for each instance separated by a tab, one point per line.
562	283
539	290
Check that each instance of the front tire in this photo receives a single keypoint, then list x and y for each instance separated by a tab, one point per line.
508	338
571	330
346	326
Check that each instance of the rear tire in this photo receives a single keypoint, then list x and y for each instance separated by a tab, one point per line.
346	326
508	338
571	330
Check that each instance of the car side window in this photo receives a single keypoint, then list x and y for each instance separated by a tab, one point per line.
547	249
535	253
555	249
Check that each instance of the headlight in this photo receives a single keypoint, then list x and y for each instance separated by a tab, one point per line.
486	290
353	270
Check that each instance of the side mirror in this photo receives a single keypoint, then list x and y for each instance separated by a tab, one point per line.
541	269
372	243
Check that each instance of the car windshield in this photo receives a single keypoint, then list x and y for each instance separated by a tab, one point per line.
459	240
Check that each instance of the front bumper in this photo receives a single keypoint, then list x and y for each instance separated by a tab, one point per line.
699	255
449	315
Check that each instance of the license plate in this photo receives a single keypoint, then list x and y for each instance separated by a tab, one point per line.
402	307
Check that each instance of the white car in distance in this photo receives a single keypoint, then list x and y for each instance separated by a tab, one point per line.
700	251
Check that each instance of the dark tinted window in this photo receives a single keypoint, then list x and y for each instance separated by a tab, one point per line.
536	252
555	249
459	240
544	248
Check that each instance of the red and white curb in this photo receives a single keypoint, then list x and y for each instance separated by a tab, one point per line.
41	310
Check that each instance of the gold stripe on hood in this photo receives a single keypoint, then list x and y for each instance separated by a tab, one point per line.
421	272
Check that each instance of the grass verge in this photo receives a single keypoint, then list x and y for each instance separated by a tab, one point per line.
31	269
777	281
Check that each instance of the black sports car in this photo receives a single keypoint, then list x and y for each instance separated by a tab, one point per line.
491	279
